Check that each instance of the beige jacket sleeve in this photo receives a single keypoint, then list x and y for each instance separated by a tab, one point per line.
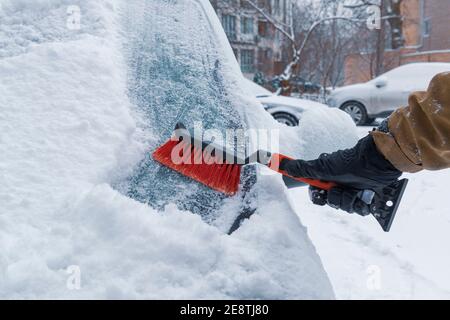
419	135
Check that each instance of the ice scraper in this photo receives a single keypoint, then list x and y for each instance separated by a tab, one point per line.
220	169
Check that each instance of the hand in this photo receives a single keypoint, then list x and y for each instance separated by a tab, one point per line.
283	163
345	199
361	167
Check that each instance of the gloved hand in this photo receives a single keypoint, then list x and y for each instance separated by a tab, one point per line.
359	168
343	198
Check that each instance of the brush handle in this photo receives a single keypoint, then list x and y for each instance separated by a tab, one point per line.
274	164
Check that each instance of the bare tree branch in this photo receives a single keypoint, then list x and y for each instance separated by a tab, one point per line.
276	24
390	14
287	73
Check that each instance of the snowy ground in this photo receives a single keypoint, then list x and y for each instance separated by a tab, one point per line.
410	262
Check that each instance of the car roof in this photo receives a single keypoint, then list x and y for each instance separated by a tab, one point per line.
425	64
416	76
421	67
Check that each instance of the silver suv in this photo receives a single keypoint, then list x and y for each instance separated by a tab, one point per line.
381	96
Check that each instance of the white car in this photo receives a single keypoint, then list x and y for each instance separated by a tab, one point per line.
285	110
384	94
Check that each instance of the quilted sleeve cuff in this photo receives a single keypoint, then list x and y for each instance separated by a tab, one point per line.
387	145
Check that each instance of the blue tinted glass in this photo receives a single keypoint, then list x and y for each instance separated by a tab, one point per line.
175	74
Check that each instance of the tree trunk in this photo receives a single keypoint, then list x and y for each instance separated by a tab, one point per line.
396	24
381	36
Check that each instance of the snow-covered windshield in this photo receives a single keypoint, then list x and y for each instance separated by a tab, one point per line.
67	148
176	75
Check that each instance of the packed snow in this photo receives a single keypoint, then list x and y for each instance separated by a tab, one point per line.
69	132
409	262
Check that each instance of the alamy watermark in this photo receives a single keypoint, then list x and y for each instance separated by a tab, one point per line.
212	146
73	281
373	281
373	22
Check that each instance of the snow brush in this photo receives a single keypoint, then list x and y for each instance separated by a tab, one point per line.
220	169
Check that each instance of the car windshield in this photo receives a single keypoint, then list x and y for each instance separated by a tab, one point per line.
178	73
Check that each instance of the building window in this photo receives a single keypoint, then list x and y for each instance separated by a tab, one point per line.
264	4
246	5
276	36
277	6
278	56
247	61
427	27
246	25
262	29
264	59
229	25
264	55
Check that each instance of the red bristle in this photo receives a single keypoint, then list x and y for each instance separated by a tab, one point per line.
236	174
221	177
213	173
226	173
197	156
224	176
215	176
197	167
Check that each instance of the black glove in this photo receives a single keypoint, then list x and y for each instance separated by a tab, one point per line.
359	168
346	199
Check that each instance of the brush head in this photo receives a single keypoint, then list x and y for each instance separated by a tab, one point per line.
193	162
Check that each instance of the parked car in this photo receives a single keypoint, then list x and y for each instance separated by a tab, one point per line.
183	69
286	110
384	94
298	85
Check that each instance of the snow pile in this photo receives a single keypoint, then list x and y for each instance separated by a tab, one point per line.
60	102
320	130
27	23
66	135
409	262
137	253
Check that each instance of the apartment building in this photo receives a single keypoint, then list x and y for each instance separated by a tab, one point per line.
426	33
257	45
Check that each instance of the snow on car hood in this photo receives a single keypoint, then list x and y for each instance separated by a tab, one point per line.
321	129
359	86
291	102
